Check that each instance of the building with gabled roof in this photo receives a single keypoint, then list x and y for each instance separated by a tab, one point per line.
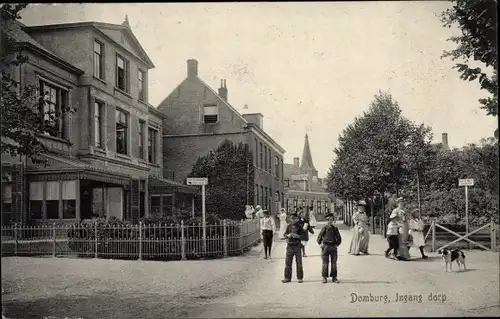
303	188
198	119
103	157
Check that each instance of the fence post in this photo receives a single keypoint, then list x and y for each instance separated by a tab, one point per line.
240	240
433	225
140	240
54	239
224	224
183	242
493	237
15	238
95	239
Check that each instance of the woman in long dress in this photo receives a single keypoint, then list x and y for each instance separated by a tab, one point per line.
282	216
360	236
416	226
312	217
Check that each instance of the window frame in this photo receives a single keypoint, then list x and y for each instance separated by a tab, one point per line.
142	131
100	58
126	74
99	117
62	101
126	128
205	105
141	85
153	152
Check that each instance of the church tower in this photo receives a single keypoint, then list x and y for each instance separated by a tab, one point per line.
307	162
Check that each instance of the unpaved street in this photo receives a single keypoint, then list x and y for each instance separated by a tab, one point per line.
248	286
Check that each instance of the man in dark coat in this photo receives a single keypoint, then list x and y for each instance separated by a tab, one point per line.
329	239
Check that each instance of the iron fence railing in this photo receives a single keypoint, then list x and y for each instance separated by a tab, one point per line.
160	241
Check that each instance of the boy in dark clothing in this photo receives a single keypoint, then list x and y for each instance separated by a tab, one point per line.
329	239
293	233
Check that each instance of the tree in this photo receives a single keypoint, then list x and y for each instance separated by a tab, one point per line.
377	153
230	175
477	20
21	121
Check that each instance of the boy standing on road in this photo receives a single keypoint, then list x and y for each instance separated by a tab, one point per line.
329	239
293	233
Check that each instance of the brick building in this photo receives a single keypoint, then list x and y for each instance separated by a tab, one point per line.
303	188
198	119
104	157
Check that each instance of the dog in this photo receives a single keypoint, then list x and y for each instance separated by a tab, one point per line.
449	256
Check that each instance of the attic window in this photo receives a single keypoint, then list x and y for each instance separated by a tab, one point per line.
210	114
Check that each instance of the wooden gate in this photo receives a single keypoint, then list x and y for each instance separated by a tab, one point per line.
493	236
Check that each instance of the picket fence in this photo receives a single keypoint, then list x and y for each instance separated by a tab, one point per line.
158	242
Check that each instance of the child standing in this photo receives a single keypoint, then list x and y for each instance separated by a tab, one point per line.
268	227
392	235
293	233
329	239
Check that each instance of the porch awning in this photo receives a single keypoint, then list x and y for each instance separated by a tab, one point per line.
87	174
158	185
63	168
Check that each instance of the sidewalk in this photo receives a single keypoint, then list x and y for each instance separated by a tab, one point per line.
470	293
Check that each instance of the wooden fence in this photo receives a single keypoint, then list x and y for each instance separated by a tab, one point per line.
164	242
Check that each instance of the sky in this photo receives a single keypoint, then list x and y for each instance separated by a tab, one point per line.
307	67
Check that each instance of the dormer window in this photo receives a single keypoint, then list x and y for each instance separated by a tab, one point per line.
210	114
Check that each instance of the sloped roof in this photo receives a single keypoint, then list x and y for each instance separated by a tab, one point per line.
290	169
16	30
307	162
97	26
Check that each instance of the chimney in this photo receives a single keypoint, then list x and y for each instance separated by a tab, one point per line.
254	118
223	90
444	139
296	161
192	68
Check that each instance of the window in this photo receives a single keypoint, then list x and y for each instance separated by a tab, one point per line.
36	200
269	163
7	198
69	199
142	124
255	154
122	73
210	114
98	60
155	205
53	109
261	159
121	132
282	173
52	200
142	85
98	124
265	158
256	195
152	143
276	166
261	199
264	199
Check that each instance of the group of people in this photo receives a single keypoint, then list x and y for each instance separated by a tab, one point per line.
395	230
296	227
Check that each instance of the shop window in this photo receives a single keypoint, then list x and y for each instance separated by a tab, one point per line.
69	199
36	200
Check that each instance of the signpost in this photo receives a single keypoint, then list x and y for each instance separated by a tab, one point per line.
201	181
466	183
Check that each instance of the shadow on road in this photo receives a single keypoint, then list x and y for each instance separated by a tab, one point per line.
364	282
429	258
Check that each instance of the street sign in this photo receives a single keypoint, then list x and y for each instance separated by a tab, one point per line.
466	182
197	181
